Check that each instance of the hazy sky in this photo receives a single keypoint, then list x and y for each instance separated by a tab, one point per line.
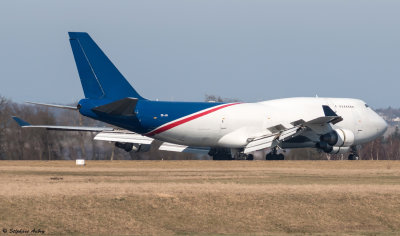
182	50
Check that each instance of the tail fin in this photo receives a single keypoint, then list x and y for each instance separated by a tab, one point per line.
99	77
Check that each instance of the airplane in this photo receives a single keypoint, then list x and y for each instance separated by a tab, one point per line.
222	130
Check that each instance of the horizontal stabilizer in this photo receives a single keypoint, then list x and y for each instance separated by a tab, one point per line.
25	124
123	136
21	122
123	107
54	105
181	148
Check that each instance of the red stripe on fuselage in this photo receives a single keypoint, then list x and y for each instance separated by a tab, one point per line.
187	119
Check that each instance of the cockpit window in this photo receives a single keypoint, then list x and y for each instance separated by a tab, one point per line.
366	105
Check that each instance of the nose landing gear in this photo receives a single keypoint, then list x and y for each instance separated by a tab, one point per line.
353	154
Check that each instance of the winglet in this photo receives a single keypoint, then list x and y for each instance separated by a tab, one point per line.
328	111
21	122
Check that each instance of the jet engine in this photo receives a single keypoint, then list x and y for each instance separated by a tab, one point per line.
340	150
332	149
338	138
133	147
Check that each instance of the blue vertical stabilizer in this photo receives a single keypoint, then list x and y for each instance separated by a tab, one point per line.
99	77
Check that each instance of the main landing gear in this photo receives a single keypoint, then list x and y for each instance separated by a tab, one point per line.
273	155
220	154
354	154
242	156
228	154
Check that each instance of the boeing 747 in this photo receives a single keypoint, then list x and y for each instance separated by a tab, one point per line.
332	125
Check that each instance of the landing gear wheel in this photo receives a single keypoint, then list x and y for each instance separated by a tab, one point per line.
273	155
126	146
353	157
220	154
250	157
354	154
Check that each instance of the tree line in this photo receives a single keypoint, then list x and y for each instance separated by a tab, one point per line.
39	144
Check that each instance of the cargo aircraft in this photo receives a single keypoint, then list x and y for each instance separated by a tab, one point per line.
221	130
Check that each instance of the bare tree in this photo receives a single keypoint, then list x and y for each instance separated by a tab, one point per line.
3	125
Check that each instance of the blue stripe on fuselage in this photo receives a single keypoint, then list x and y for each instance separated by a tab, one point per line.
149	114
153	114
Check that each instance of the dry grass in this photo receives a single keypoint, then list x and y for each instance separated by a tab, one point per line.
201	197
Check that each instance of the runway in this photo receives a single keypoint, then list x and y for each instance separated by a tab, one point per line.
201	197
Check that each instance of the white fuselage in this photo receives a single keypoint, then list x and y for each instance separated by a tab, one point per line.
232	126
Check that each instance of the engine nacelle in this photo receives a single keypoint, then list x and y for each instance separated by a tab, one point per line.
332	149
325	147
133	147
340	150
339	138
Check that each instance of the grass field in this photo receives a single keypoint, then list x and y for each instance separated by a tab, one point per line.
201	197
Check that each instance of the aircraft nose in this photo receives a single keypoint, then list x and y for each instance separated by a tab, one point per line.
381	125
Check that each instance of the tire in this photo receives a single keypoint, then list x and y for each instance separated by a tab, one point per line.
271	157
250	157
220	154
353	157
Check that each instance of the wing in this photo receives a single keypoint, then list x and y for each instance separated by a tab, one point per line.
281	133
113	135
25	124
181	148
123	136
